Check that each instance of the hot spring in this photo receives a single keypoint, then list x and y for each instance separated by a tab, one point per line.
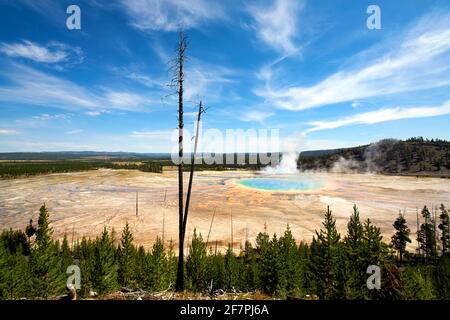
278	184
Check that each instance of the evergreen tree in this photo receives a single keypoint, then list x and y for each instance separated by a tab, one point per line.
231	272
15	280
215	271
441	276
45	263
87	258
401	236
104	273
417	284
196	263
142	268
126	259
251	267
355	286
325	263
158	267
444	226
290	275
427	235
66	255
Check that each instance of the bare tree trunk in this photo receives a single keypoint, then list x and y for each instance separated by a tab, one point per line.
191	174
180	78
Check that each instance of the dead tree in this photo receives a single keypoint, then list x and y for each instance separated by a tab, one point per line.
177	81
191	173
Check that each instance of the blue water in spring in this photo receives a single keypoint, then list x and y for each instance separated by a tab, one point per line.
280	184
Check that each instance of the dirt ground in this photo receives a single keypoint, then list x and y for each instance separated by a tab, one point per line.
80	204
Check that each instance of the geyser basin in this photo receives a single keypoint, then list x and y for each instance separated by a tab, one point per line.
301	184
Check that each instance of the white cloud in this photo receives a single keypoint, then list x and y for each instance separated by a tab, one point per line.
419	61
277	25
171	15
33	87
93	113
382	115
8	132
75	131
255	116
53	52
46	117
155	134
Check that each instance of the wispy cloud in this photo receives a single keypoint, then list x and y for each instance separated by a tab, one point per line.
74	131
255	116
277	25
46	117
419	61
33	87
8	132
151	134
382	115
93	113
51	53
171	15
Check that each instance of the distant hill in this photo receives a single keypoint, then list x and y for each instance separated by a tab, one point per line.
80	155
415	156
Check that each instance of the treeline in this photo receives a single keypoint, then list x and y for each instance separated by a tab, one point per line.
33	265
415	156
16	169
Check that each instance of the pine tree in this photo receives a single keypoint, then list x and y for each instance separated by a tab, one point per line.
427	235
142	268
45	263
251	267
325	263
15	278
401	236
215	274
126	259
355	286
87	260
417	284
196	263
290	275
444	226
231	270
158	267
104	273
66	255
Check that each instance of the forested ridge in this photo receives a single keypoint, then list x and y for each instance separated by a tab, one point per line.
332	266
414	156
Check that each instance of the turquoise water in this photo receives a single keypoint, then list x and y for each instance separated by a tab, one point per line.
280	184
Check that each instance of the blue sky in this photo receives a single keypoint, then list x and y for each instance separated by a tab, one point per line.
311	69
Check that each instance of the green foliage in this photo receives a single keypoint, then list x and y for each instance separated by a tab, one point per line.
330	268
15	241
444	226
48	278
126	259
196	263
401	236
326	260
427	235
417	284
159	278
104	273
15	278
